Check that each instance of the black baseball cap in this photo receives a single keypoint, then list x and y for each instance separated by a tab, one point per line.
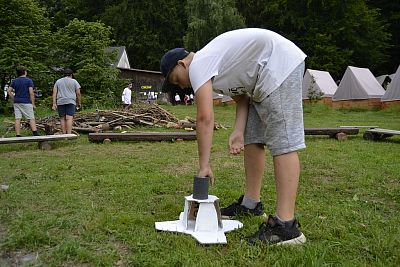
68	71
168	62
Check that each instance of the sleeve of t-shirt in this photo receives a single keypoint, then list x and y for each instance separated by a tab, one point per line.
31	84
201	70
77	85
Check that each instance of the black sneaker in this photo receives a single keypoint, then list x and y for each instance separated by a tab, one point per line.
274	232
236	209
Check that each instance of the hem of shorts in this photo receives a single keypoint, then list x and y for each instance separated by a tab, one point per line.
279	152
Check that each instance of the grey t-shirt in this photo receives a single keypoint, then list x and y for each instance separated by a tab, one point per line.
66	90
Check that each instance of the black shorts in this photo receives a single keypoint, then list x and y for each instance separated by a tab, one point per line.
68	109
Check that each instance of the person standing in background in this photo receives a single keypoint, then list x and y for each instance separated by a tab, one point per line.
21	93
127	97
66	98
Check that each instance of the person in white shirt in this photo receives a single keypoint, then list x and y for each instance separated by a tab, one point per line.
177	99
191	99
127	96
262	71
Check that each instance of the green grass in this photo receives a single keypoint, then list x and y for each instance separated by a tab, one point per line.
86	204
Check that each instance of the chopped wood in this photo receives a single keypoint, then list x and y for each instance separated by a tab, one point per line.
147	115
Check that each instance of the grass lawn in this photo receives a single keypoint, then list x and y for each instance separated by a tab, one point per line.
87	204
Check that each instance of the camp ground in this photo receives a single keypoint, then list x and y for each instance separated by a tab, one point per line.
358	89
132	187
318	85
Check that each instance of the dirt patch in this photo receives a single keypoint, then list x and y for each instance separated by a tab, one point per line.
18	258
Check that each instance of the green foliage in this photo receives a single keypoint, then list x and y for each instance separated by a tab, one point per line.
313	93
334	34
390	13
81	45
146	28
209	18
25	39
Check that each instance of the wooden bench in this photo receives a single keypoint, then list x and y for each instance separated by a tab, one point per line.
379	134
142	136
338	133
43	140
361	127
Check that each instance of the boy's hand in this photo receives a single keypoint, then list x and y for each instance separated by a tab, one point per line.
236	143
207	172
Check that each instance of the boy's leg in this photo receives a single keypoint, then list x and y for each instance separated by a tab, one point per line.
287	173
32	123
254	163
69	117
63	125
17	127
68	122
18	117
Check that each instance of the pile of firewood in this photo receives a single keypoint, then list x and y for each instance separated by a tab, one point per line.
120	120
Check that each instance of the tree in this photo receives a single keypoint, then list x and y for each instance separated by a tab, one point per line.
146	28
334	34
209	18
81	46
390	13
25	39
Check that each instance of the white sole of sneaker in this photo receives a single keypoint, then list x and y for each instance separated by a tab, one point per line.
224	217
295	241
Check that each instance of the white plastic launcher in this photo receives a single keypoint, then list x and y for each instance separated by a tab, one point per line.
201	217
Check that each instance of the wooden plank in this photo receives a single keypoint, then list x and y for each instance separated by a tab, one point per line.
330	131
379	134
360	127
41	138
142	136
384	131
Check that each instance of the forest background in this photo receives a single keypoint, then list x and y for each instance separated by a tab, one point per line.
47	35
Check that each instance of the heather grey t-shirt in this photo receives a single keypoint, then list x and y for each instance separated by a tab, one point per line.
253	61
66	90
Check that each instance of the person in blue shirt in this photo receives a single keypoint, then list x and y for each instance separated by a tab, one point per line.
22	94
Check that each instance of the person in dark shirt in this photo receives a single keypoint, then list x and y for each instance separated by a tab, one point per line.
22	94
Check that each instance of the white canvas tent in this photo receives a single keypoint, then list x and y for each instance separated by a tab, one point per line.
384	80
358	89
393	90
318	81
121	60
358	83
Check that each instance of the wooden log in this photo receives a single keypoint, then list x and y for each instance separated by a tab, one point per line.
86	130
341	136
330	131
142	136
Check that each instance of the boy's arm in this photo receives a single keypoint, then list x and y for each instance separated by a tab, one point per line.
242	109
78	97
236	140
204	127
10	93
54	107
32	96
